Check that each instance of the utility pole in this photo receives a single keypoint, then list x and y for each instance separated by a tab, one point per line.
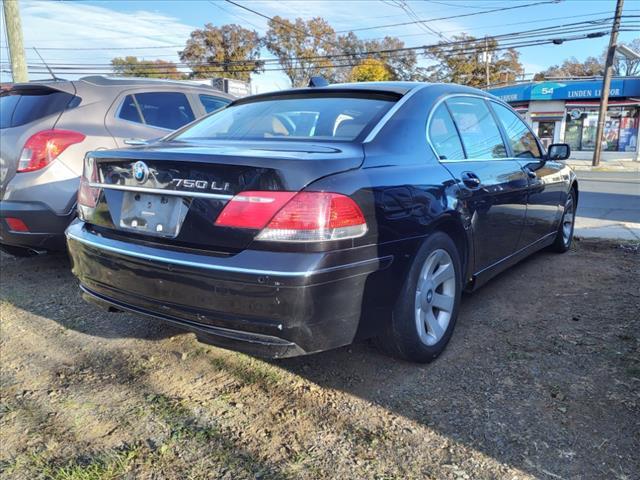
606	83
486	61
14	37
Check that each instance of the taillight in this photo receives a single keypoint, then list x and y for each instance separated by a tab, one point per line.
252	209
16	224
291	217
44	147
88	195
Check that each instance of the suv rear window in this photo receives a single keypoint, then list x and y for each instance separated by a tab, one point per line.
168	110
307	117
19	107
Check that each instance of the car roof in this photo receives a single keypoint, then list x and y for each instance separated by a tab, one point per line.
119	83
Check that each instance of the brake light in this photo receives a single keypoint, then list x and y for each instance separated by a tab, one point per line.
44	147
291	217
16	224
88	195
252	209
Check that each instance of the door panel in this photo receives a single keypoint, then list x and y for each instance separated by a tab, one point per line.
544	199
497	206
493	188
545	185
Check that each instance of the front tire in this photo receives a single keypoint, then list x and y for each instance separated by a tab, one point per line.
564	235
427	308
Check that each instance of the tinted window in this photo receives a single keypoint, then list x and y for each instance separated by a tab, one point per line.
211	104
129	111
522	141
26	106
169	110
478	129
7	106
298	118
443	135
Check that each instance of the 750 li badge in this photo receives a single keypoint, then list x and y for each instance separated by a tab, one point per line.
200	184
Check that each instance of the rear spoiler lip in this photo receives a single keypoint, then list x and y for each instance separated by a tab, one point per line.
58	86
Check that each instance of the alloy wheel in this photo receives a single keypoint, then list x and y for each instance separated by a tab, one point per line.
567	220
435	296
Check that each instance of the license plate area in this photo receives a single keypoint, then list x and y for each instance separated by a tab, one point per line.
152	214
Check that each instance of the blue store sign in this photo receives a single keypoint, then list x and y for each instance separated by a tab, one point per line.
570	90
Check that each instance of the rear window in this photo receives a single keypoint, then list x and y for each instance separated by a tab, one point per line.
298	118
168	110
25	106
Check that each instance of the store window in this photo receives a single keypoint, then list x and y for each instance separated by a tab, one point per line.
620	129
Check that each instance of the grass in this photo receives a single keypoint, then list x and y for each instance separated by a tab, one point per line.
248	371
109	466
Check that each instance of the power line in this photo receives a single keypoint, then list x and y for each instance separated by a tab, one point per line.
502	9
574	27
463	49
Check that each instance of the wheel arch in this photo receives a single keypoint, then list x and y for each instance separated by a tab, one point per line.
574	187
452	226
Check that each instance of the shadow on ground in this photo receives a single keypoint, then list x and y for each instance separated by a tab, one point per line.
541	374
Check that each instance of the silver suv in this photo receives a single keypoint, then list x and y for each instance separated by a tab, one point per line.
47	127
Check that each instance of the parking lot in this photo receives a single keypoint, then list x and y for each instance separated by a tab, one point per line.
541	379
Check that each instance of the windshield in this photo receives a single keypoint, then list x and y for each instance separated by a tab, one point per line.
299	118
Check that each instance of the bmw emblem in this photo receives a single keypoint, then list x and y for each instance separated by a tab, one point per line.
140	172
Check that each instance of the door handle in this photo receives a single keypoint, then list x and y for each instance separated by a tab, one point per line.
470	180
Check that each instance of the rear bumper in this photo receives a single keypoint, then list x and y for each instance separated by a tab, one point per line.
273	304
46	228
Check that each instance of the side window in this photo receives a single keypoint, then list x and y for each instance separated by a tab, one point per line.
443	135
522	141
479	132
170	110
129	111
211	104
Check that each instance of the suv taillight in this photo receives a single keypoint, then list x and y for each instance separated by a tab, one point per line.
44	147
295	217
88	195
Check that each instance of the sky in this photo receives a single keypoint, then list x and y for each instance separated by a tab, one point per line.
93	32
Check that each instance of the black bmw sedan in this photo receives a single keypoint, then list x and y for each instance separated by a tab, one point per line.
297	221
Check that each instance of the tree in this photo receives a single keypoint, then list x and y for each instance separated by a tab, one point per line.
298	45
370	70
571	67
401	65
133	67
465	62
227	51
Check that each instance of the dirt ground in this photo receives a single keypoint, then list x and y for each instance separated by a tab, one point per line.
540	380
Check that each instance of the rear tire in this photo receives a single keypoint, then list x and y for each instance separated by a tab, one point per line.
427	308
564	235
17	251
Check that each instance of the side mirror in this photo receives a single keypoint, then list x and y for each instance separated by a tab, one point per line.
135	141
558	151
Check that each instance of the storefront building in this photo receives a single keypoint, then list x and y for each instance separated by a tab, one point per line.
567	112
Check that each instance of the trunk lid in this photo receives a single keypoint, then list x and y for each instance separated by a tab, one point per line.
185	186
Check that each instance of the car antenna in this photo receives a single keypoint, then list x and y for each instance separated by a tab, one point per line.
53	75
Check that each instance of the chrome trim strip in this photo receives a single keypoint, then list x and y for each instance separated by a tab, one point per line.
160	191
392	111
224	268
